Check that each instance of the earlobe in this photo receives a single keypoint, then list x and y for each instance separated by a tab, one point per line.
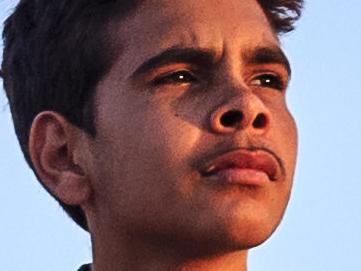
73	189
53	143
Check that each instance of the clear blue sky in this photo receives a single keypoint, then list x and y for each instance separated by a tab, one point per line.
322	227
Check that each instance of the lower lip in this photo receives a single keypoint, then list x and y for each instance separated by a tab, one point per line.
242	176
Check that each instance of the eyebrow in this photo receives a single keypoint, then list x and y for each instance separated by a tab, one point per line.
267	55
199	57
206	58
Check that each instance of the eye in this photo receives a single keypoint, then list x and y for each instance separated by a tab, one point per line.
177	78
268	81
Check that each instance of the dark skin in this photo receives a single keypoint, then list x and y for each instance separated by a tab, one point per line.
159	110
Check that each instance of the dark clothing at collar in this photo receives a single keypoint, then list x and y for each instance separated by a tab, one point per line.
85	267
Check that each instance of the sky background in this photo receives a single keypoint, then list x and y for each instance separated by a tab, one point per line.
322	226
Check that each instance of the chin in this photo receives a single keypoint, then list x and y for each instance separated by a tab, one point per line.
234	235
249	232
249	237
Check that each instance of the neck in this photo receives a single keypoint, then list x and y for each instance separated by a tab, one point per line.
130	254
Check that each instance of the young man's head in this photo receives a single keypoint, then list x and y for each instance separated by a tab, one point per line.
157	121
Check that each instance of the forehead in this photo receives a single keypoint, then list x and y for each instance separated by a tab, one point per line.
214	25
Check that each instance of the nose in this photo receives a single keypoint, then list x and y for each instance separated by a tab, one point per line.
246	111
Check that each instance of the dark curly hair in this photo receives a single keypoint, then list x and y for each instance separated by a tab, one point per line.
56	51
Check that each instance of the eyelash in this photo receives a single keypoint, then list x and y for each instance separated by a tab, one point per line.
181	77
269	80
178	77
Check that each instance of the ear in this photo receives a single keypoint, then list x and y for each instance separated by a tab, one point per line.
54	146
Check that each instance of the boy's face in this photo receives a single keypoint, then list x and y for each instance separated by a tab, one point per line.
162	123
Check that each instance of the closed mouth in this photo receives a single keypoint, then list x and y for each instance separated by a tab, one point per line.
257	160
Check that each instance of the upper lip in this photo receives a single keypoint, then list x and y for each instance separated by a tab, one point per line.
257	159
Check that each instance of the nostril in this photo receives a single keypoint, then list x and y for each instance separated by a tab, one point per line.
231	118
260	121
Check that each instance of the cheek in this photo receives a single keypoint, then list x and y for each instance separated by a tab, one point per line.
284	139
165	135
286	131
284	134
288	151
291	136
145	157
